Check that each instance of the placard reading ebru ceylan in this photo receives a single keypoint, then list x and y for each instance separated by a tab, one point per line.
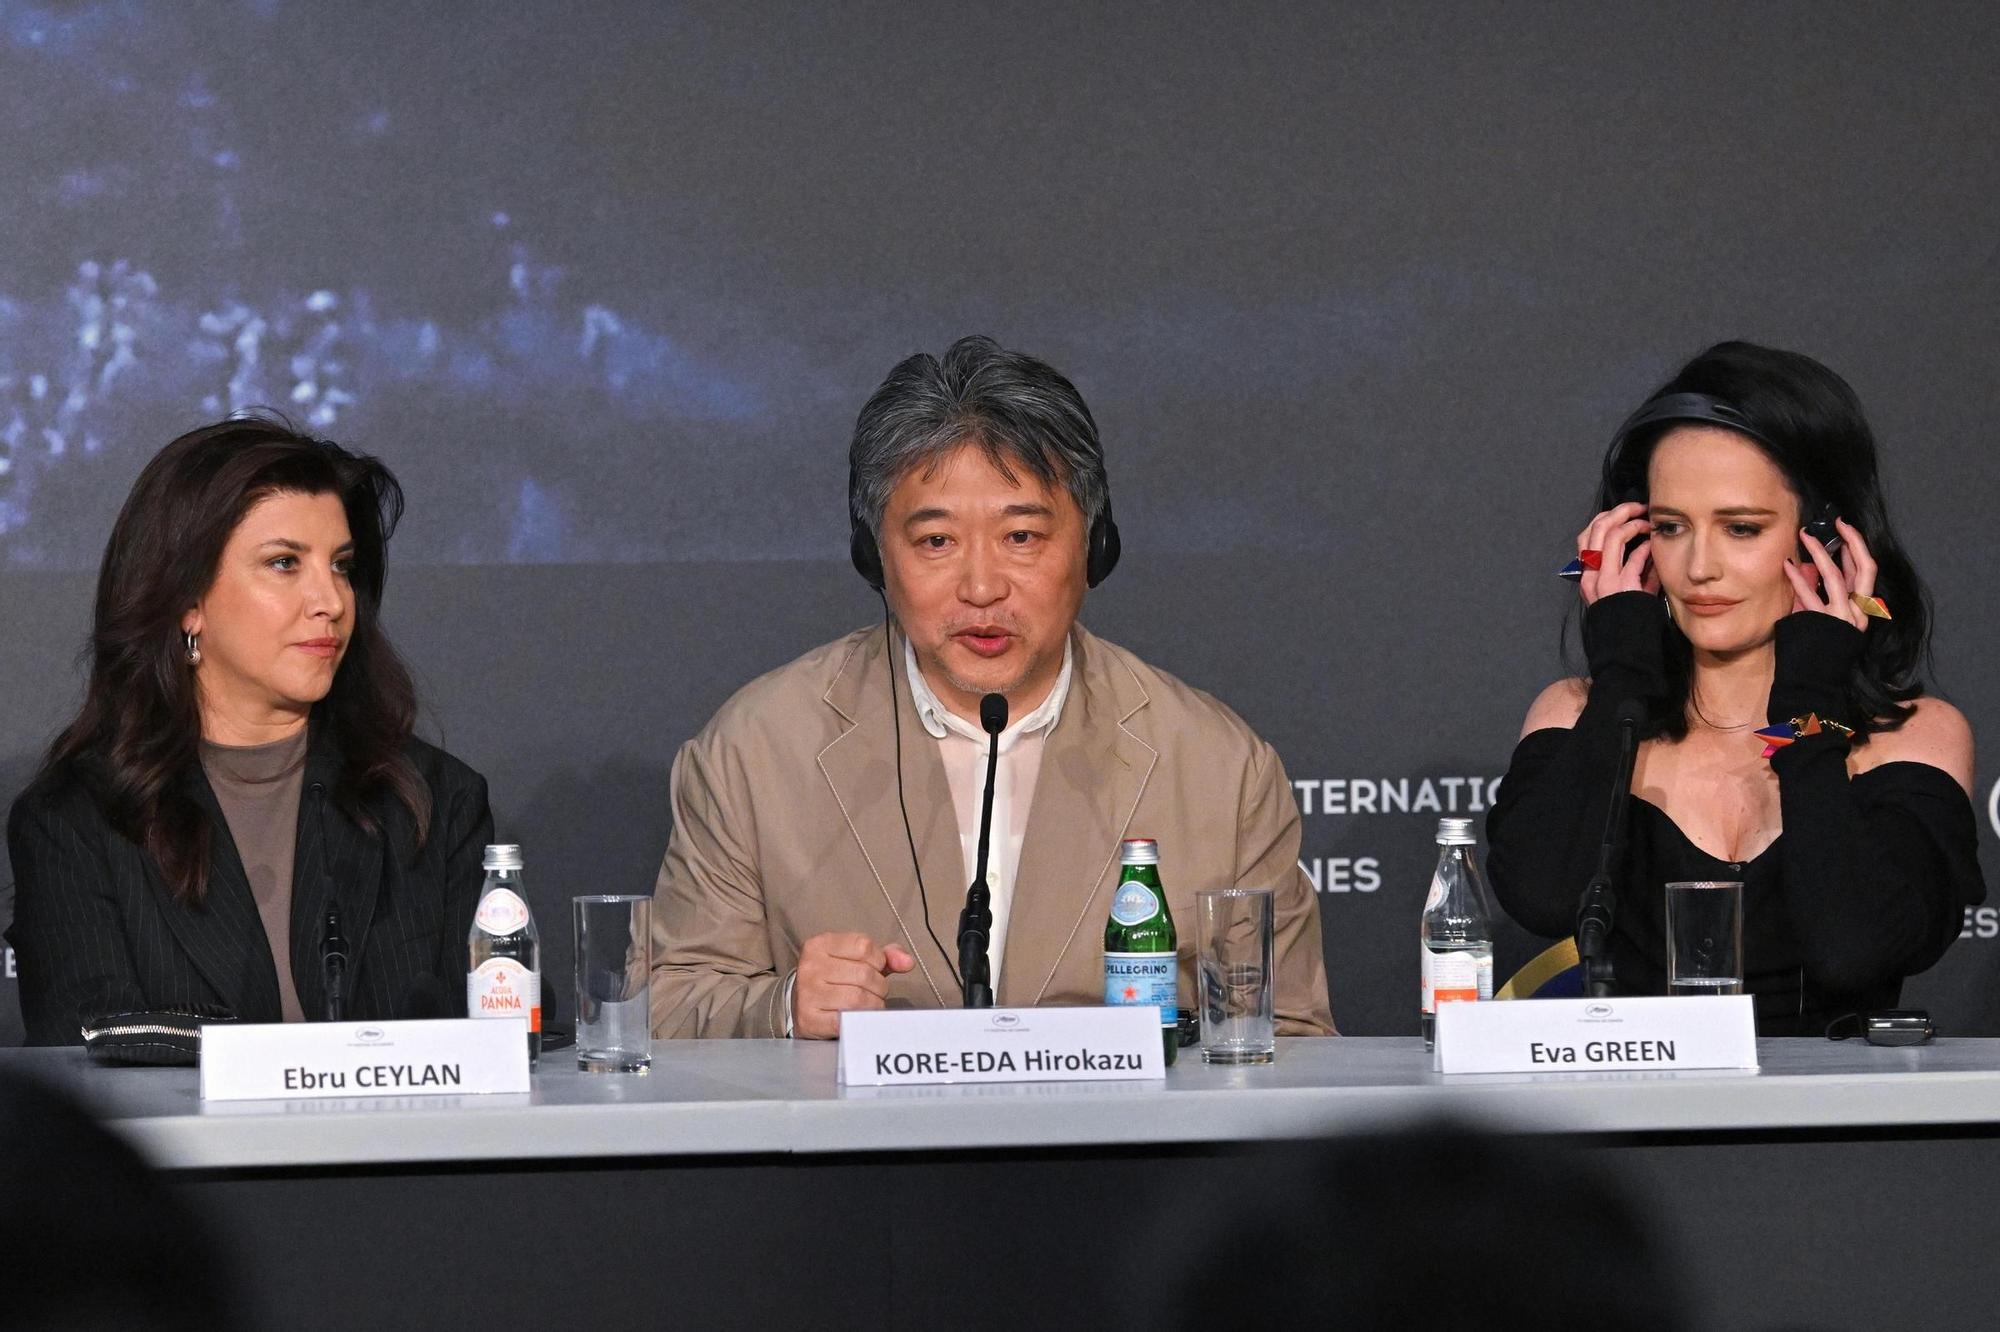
908	1046
416	1057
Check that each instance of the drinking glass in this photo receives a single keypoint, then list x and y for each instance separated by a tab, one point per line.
1705	937
1233	970
614	962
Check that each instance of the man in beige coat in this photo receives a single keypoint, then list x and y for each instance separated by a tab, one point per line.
825	818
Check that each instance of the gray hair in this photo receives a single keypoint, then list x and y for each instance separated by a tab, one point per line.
1021	411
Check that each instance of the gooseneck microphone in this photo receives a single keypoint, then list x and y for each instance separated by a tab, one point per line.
333	964
1599	905
332	943
975	922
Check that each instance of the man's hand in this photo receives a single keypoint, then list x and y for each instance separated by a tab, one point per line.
840	972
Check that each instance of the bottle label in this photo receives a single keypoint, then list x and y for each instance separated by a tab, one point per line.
502	987
1134	903
1142	978
501	912
1455	977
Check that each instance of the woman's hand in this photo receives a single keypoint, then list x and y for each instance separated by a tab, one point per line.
1838	583
1615	572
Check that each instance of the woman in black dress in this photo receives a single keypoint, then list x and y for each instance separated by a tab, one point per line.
1710	602
241	790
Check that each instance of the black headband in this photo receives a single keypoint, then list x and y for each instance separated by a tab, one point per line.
1676	407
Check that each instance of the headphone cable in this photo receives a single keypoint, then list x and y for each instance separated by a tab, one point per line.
896	714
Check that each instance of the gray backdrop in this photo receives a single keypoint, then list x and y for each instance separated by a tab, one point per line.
1356	294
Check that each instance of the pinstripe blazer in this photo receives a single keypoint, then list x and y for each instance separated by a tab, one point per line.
97	931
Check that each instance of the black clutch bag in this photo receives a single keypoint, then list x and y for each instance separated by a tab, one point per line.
156	1036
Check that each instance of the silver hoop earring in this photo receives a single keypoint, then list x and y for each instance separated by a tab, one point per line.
193	649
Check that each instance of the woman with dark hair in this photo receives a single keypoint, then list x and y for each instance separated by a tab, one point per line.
1742	577
241	787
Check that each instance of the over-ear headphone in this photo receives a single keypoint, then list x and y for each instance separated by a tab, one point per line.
1682	407
1101	557
1679	408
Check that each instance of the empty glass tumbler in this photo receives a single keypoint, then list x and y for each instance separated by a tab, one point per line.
1233	970
1705	937
614	963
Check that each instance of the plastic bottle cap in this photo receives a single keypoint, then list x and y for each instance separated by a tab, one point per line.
505	857
1455	832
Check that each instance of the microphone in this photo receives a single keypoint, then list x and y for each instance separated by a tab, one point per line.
332	943
993	713
1599	905
975	922
333	963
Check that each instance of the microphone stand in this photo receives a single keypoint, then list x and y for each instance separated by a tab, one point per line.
1599	905
975	922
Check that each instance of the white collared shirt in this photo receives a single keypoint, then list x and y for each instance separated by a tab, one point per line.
962	746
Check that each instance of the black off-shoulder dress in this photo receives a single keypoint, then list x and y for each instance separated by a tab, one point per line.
1867	884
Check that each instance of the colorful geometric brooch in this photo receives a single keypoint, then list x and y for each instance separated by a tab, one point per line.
1777	737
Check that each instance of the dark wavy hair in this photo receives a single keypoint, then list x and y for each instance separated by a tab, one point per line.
134	743
1810	424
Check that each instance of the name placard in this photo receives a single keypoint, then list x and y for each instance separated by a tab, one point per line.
906	1047
1592	1035
427	1057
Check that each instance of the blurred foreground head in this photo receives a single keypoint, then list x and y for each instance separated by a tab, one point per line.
93	1237
1435	1227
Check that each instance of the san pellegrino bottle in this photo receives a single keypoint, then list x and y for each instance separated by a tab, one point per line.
1139	941
505	950
1457	929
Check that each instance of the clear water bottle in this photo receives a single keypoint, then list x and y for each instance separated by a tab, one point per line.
505	950
1457	929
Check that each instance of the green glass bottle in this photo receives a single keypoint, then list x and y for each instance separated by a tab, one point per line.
1139	941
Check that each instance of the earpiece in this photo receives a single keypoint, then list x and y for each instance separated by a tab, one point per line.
1821	529
1104	547
861	549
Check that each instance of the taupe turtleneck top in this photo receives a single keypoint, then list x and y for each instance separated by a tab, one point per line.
258	787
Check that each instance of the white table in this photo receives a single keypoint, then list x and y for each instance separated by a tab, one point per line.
740	1176
708	1098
